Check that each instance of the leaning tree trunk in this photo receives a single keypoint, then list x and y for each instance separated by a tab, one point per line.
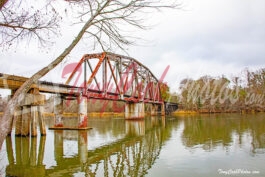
19	95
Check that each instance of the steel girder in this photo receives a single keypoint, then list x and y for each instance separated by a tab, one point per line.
115	77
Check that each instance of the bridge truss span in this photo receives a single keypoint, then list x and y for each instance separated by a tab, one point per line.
115	77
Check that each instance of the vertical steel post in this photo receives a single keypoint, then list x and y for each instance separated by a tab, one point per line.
104	76
121	85
85	78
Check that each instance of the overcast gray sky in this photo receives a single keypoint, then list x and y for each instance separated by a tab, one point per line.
212	37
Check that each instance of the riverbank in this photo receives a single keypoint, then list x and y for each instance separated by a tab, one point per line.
105	114
93	114
115	114
180	112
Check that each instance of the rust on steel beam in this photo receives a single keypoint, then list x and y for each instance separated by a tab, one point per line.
122	75
104	76
91	70
101	58
75	71
85	76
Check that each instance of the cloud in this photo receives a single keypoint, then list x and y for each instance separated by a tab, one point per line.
207	38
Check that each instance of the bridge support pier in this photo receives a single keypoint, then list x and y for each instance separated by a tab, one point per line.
26	115
58	111
163	109
41	121
154	109
82	112
18	119
26	118
34	116
25	121
134	110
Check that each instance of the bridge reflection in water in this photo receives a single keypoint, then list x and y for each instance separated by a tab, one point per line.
132	155
28	161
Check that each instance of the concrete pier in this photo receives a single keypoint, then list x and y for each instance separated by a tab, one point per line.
25	121
18	120
154	109
34	118
163	112
41	121
134	110
27	114
82	115
82	112
58	111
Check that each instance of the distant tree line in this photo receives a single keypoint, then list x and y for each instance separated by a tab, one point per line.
242	93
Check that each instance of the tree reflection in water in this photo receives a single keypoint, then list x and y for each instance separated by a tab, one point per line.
213	130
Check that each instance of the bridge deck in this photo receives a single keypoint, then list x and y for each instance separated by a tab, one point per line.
13	82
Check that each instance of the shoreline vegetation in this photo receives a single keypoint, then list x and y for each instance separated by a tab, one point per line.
239	94
121	114
118	115
181	112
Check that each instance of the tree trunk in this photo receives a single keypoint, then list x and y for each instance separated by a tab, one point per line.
20	93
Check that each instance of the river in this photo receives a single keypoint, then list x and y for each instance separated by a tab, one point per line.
187	145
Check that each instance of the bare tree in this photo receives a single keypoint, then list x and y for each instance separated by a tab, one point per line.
102	20
20	20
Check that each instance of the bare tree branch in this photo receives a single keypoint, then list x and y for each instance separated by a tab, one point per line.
18	22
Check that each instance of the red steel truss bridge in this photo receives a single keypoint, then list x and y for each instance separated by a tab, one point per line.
100	76
114	77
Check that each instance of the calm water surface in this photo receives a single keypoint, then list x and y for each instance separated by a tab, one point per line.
201	145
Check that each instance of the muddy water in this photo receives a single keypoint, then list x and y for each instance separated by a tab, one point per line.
201	145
